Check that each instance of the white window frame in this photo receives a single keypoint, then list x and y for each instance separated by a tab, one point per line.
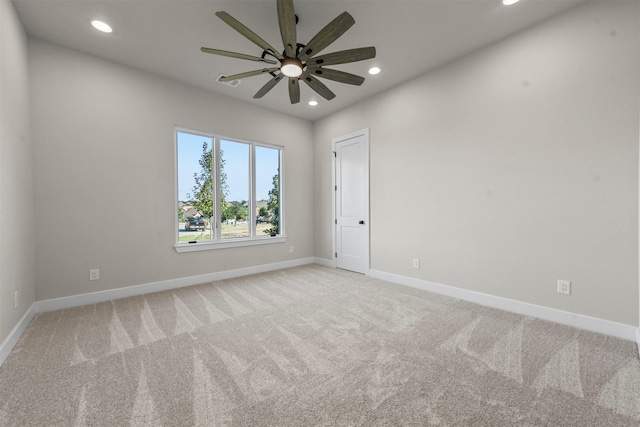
218	242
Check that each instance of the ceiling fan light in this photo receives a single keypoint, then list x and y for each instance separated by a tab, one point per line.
291	67
313	103
509	2
374	70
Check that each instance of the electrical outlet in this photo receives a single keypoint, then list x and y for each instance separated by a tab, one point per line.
564	287
94	274
15	299
290	249
416	263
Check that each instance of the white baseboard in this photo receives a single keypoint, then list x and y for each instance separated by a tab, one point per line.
102	296
135	290
325	262
584	322
580	321
14	336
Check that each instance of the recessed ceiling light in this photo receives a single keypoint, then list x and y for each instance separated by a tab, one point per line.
101	26
313	103
374	70
509	2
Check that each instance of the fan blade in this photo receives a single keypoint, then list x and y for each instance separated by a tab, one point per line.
294	90
287	21
270	85
327	35
239	27
237	55
247	74
343	57
335	75
318	86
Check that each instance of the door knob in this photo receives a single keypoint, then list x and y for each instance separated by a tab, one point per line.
361	222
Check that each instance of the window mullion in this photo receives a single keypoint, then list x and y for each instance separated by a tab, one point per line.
216	188
280	192
252	190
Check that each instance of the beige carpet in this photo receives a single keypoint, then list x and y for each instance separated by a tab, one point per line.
312	346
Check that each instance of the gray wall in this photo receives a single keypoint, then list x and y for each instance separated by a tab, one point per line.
104	173
16	174
510	168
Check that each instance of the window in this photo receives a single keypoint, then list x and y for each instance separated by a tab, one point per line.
228	192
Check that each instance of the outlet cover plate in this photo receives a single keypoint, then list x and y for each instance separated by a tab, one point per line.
564	287
94	274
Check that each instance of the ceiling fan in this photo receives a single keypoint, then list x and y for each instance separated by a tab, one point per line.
298	61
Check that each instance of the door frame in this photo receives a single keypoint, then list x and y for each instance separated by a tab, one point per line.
334	190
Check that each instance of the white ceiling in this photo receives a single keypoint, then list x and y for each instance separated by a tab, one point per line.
164	37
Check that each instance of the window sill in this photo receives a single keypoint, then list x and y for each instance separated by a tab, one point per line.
208	246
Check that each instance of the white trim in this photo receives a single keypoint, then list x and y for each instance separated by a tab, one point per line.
14	336
576	320
325	262
102	296
207	245
135	290
334	229
335	141
593	324
217	242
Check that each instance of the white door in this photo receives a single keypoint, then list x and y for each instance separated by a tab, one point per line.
352	201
